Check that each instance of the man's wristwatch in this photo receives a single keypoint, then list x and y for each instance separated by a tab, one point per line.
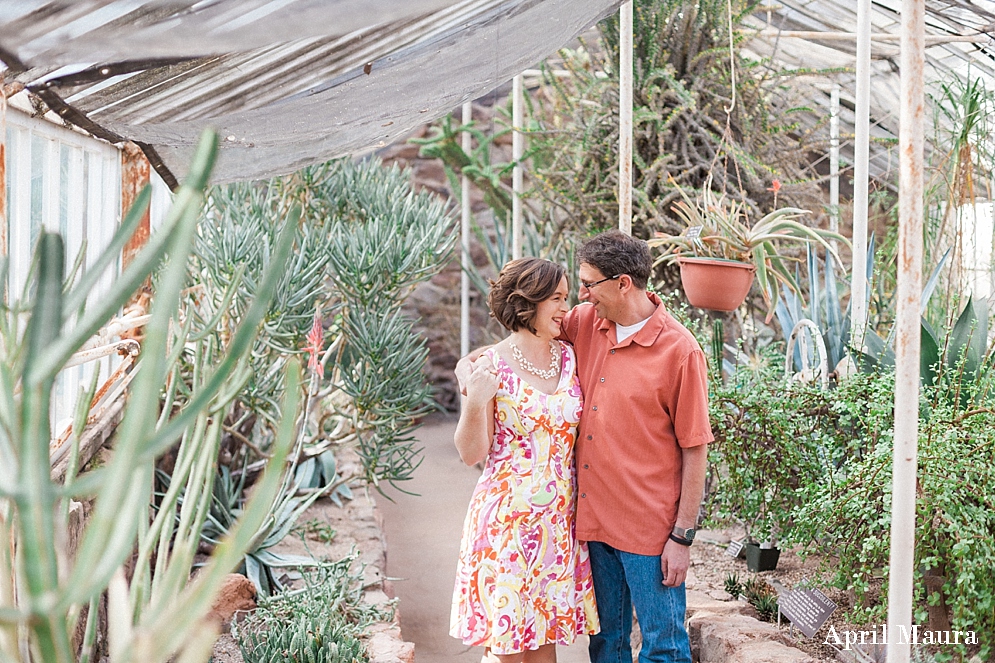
683	536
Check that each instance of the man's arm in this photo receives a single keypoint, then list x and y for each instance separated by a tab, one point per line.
677	558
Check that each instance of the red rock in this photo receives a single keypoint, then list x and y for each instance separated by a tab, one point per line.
237	594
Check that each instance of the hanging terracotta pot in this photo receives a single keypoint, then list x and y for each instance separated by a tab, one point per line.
716	284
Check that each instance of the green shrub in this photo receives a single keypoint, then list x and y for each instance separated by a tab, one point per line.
771	438
321	622
849	517
815	468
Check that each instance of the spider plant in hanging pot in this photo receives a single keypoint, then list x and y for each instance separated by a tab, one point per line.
720	251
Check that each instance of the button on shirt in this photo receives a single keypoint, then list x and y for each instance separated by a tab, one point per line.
645	399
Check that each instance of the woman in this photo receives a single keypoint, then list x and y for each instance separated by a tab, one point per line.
523	583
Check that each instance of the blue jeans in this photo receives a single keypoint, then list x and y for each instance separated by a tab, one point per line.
623	580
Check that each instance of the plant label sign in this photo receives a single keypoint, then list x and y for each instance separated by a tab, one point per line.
808	609
735	548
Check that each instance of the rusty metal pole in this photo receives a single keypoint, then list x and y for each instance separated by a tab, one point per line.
517	150
858	275
625	119
910	211
135	174
464	326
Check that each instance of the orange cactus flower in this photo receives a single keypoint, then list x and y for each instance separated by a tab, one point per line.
315	339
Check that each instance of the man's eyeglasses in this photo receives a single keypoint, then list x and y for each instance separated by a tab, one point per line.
591	285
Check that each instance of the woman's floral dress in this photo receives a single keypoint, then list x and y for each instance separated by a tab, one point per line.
523	580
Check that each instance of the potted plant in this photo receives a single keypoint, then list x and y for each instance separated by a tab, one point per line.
761	549
720	251
762	556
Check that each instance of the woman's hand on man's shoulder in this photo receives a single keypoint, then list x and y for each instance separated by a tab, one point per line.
465	366
482	383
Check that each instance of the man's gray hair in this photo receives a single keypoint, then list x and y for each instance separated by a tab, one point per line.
614	253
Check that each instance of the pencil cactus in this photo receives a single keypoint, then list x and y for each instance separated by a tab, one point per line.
159	611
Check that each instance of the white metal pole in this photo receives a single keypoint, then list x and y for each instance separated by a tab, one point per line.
816	35
625	119
910	208
834	159
858	276
517	150
464	335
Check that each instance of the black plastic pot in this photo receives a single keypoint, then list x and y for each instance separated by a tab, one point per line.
761	559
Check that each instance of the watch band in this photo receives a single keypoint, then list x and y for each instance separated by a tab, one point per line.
677	539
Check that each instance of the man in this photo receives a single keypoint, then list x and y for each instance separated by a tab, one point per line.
641	451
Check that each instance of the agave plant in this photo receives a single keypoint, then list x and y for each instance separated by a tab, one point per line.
718	227
824	308
957	362
159	611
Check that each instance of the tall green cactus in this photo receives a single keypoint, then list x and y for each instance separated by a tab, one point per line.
159	612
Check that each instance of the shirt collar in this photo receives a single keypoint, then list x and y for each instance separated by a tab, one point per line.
645	336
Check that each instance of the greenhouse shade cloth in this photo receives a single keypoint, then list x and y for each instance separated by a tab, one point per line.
281	105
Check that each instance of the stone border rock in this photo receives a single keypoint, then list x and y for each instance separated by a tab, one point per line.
726	631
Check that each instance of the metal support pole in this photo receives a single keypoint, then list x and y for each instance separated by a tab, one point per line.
625	119
858	276
517	150
464	328
834	159
3	189
910	209
816	35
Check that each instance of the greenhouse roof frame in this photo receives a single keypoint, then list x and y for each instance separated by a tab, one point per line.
292	82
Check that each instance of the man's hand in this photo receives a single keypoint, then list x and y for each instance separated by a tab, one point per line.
674	562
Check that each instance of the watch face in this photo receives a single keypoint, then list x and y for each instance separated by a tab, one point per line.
687	534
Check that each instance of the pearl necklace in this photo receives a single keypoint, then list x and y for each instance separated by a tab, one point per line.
526	365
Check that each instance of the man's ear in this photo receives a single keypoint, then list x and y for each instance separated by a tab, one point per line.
624	282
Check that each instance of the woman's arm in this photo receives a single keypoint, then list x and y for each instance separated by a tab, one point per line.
475	428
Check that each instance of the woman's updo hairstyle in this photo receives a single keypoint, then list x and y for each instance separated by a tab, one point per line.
519	288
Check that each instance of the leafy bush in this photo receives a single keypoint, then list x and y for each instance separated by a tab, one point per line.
771	438
321	622
815	468
848	516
